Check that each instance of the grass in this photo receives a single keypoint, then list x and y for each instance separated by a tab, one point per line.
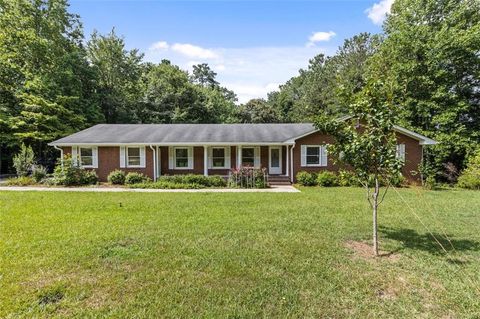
233	255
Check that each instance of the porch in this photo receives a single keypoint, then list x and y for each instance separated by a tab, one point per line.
220	159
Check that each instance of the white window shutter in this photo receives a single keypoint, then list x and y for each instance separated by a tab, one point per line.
170	157
401	152
323	153
122	156
95	157
227	157
190	158
142	156
210	157
256	152
75	155
303	151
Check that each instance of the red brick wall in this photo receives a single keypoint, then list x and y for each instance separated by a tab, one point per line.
109	160
413	155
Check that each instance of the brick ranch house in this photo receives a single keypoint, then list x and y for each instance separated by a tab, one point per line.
214	149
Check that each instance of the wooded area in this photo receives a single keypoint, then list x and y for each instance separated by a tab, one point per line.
53	81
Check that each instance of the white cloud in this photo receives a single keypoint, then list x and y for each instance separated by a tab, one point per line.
378	11
193	51
319	37
160	45
251	72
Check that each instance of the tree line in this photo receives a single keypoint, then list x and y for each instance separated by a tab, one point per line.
54	82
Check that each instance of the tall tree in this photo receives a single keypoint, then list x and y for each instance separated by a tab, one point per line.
431	53
118	76
329	83
45	83
257	111
203	75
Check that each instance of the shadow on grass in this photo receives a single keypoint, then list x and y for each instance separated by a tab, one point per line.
413	240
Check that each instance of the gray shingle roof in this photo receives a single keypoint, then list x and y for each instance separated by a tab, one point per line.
186	133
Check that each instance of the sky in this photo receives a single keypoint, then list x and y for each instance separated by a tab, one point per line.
253	46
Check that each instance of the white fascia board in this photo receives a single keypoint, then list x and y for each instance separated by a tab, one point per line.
173	144
423	139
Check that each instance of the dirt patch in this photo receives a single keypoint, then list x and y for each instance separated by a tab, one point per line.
364	251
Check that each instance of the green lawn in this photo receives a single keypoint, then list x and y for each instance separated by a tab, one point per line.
237	255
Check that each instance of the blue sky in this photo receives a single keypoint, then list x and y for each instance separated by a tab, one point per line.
253	45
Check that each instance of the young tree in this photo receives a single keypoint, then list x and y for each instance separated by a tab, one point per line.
366	143
24	160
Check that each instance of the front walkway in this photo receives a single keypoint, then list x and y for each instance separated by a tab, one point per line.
273	189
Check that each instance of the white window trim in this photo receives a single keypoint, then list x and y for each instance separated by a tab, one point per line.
142	157
256	155
323	156
77	156
400	154
189	157
226	157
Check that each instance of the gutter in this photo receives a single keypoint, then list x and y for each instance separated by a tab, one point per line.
291	163
61	153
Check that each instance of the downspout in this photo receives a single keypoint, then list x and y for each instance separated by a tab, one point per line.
61	153
154	163
291	163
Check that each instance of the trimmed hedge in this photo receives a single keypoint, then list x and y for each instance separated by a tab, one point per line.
192	179
306	178
136	178
327	179
117	177
167	185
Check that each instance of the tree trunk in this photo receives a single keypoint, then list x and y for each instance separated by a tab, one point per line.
375	227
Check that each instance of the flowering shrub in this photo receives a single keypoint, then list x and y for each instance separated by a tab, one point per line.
248	177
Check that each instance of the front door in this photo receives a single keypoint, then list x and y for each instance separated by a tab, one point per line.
275	160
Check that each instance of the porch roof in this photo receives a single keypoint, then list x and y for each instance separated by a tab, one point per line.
194	134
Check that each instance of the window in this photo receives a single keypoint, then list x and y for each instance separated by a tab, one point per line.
133	156
86	156
181	157
401	152
314	155
248	156
218	157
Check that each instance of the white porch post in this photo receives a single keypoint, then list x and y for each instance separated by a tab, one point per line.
239	155
205	160
287	166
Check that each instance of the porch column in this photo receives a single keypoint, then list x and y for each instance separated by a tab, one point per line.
205	160
239	155
287	166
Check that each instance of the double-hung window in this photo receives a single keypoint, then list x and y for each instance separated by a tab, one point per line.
314	155
218	157
248	156
133	157
85	156
181	157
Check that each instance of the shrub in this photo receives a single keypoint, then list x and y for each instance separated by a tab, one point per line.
470	177
398	181
207	181
248	177
39	173
20	181
167	185
306	178
136	178
347	178
24	160
327	179
117	177
72	175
